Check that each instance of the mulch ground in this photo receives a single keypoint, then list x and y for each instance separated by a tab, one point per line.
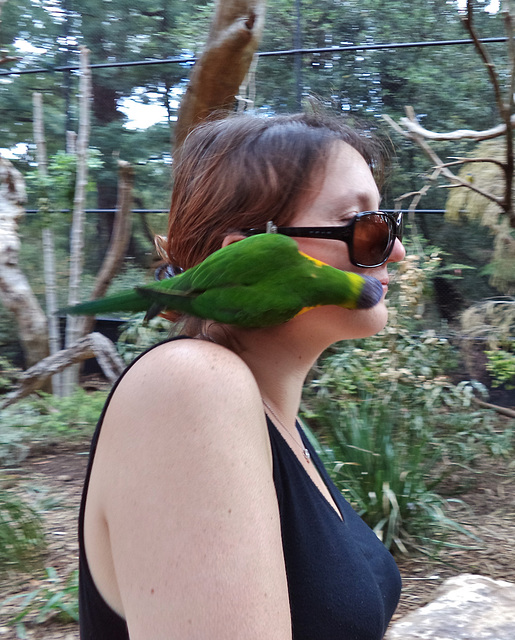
53	478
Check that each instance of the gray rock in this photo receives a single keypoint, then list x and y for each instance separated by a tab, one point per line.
467	607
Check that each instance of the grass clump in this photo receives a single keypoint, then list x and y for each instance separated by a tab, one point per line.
21	533
55	598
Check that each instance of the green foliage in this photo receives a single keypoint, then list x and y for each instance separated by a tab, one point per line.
381	459
501	364
56	598
138	335
8	374
405	364
392	419
47	418
493	321
21	534
56	190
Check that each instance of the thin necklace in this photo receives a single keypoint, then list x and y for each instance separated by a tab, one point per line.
305	451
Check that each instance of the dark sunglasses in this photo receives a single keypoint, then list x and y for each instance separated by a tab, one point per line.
370	236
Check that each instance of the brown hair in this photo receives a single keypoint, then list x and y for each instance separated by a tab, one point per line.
242	171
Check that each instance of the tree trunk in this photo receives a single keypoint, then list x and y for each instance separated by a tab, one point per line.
75	324
54	337
120	237
15	292
217	75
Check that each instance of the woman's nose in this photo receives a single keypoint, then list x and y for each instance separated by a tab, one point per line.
398	252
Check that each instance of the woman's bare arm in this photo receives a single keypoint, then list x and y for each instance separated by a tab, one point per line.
183	477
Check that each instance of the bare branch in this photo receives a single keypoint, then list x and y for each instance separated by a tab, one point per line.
495	407
7	59
459	183
409	127
485	56
438	163
508	25
461	161
94	345
459	134
418	195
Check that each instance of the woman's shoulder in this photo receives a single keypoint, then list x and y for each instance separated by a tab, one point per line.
185	453
185	382
190	363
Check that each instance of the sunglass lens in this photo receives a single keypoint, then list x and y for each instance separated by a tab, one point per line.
372	239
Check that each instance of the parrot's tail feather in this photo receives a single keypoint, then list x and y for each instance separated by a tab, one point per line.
126	302
154	310
371	293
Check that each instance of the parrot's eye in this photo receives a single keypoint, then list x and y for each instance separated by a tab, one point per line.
370	235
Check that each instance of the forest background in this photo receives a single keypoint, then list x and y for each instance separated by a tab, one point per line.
403	418
447	86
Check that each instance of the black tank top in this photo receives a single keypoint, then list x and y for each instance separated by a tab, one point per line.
343	583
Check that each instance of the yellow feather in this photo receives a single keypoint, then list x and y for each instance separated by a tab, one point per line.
318	263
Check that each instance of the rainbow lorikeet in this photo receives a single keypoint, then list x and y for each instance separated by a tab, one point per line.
260	281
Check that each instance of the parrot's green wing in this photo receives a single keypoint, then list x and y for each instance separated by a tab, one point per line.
259	281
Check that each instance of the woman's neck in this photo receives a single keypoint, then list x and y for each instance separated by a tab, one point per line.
280	364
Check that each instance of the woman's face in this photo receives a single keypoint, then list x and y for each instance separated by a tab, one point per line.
346	188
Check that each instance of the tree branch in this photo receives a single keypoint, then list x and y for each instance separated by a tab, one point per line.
495	407
94	345
437	162
485	56
462	161
459	134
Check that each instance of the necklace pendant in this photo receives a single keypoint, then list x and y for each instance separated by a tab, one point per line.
307	455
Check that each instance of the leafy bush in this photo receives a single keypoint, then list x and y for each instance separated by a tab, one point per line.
501	365
8	374
391	418
47	418
493	321
21	534
383	461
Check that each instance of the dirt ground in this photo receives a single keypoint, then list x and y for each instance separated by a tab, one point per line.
54	478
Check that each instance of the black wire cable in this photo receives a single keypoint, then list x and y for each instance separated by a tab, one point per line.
284	52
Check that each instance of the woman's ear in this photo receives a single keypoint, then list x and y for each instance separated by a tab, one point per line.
232	237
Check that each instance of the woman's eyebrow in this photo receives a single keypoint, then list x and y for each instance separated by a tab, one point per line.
354	202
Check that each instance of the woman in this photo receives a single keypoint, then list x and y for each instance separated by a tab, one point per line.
206	513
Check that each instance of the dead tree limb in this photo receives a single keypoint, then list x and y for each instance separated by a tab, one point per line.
436	161
495	407
458	134
94	345
461	161
410	128
468	20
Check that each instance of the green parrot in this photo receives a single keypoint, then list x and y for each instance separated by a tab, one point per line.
260	281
